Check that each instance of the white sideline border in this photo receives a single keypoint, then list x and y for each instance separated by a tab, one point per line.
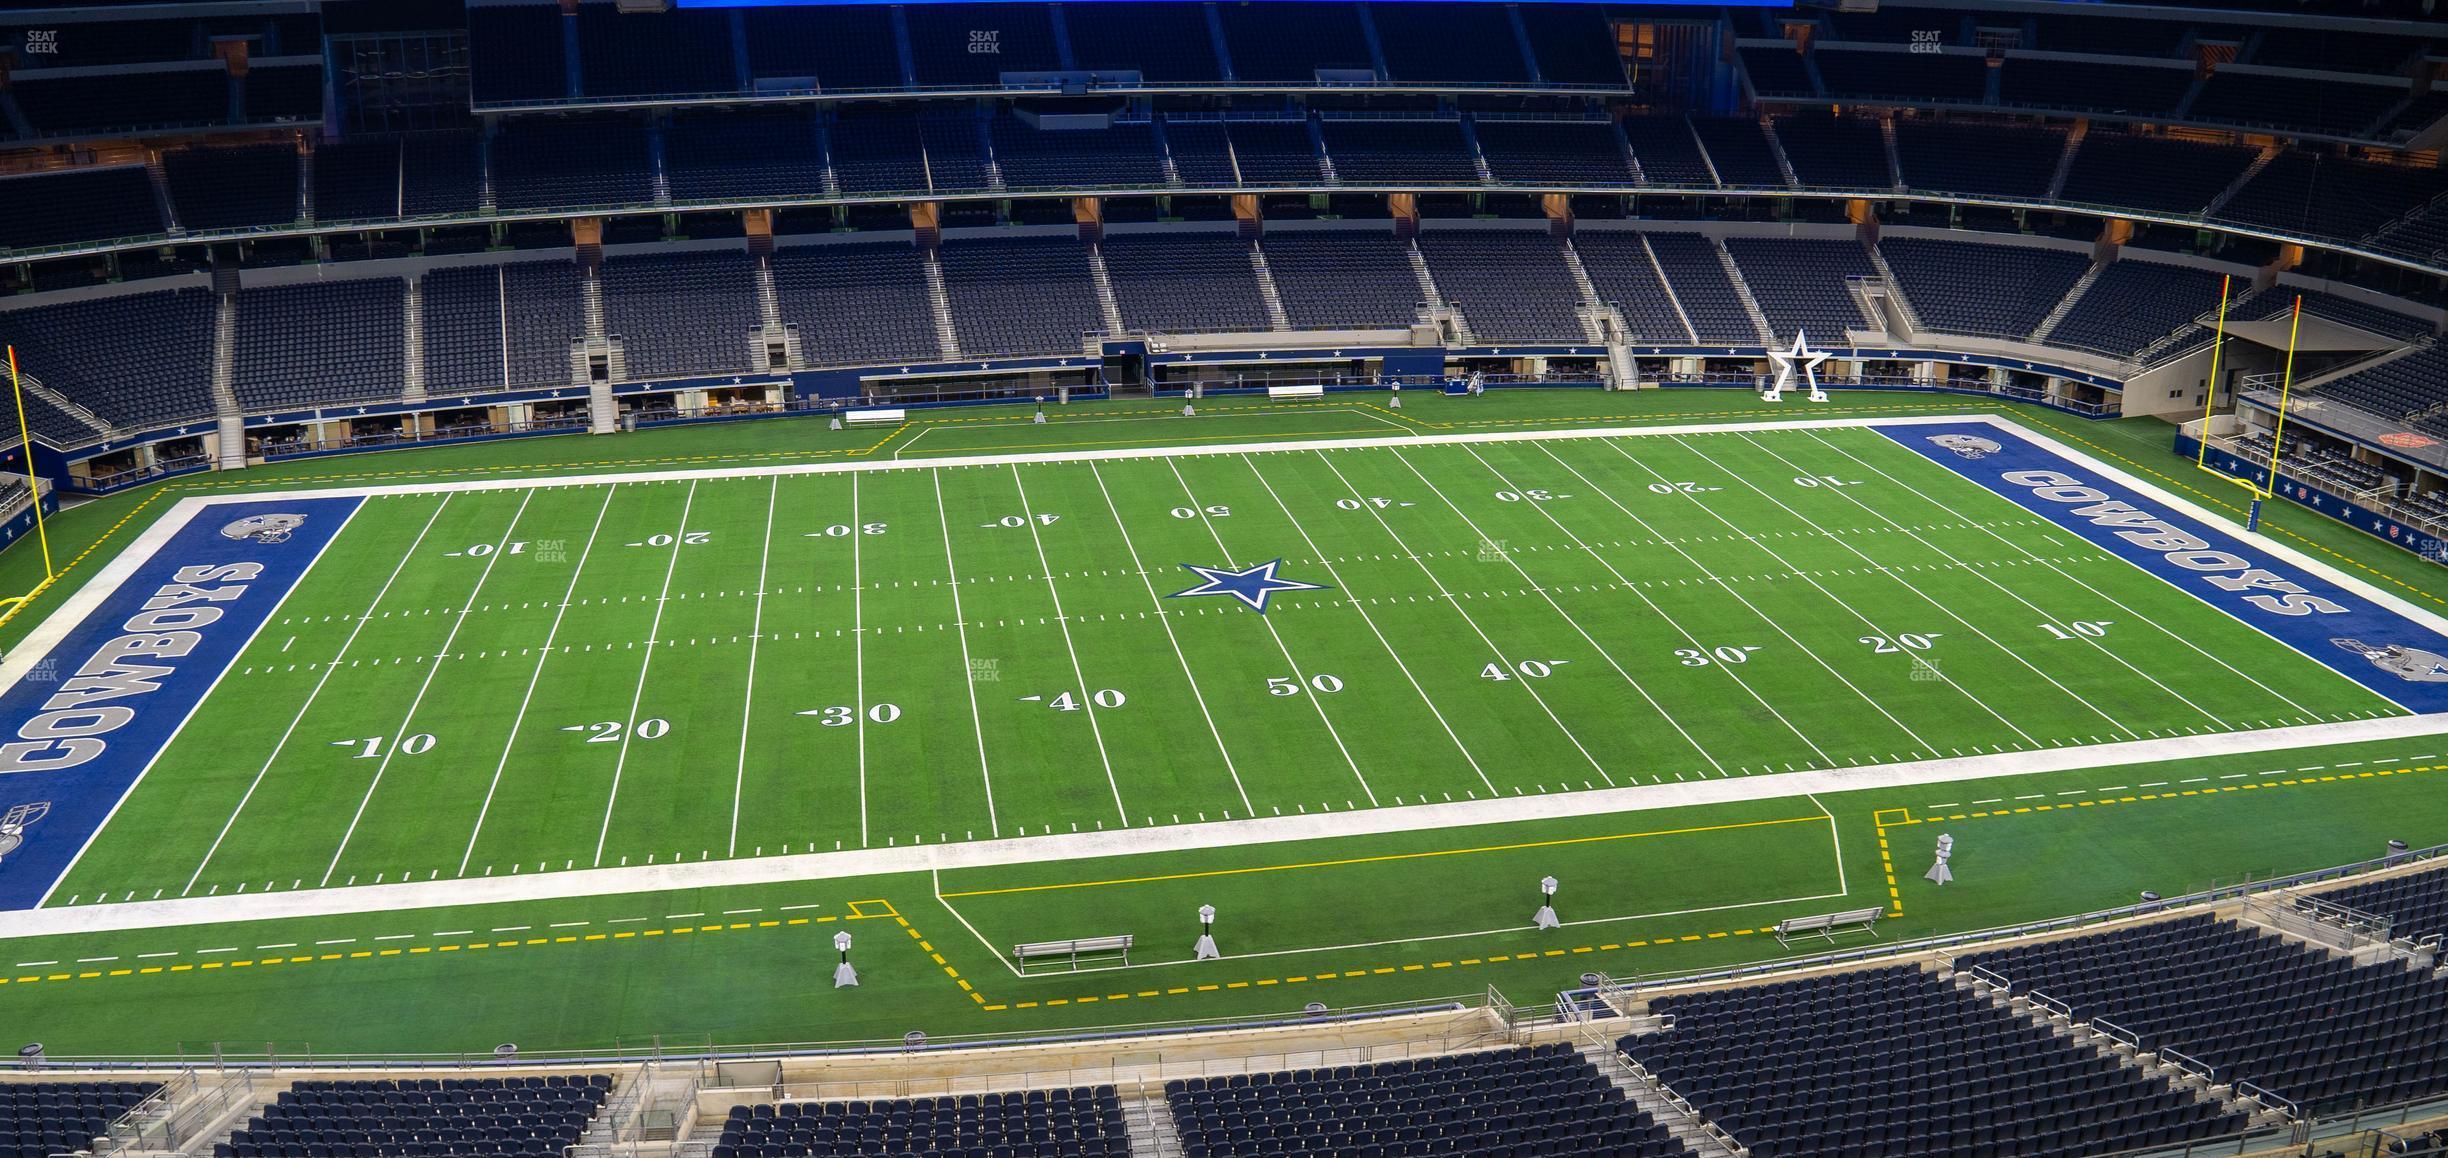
594	882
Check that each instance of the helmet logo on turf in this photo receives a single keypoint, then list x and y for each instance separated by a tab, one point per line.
16	820
2406	663
264	528
1968	445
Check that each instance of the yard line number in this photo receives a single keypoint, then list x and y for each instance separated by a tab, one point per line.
372	747
1722	654
609	731
843	715
1537	669
1288	686
1899	644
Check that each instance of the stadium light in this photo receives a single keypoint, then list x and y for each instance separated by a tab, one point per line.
1206	950
1939	873
1546	918
844	976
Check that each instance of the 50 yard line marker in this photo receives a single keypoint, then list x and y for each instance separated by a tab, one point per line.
330	666
1325	561
1165	619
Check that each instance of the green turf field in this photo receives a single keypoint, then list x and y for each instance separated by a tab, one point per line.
737	666
488	682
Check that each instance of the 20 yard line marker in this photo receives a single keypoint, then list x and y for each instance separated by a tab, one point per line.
543	654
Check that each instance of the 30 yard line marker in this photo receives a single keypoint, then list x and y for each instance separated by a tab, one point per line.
1921	591
858	656
408	718
1688	637
756	633
1722	585
329	667
543	654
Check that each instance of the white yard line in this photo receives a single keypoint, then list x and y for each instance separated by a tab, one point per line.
1165	618
756	634
408	718
858	653
1654	609
1058	847
1063	621
1447	598
960	623
1918	592
1739	597
1360	606
1299	674
2131	614
329	666
654	632
1558	608
1849	609
1847	494
543	655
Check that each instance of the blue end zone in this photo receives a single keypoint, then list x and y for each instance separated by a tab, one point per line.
79	730
2402	660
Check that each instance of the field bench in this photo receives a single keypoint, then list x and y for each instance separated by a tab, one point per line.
891	417
1072	952
1829	924
1304	390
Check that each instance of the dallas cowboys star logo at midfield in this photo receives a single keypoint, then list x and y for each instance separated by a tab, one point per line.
1252	585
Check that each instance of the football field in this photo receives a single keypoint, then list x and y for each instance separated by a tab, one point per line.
505	679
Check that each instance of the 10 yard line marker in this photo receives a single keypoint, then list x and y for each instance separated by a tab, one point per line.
329	667
2130	732
2053	619
2071	578
409	718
